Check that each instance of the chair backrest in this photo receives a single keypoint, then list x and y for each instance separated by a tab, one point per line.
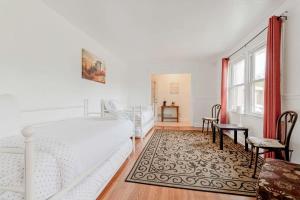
215	111
285	125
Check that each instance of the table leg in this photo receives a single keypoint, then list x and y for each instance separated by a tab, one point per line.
221	139
214	133
235	136
246	143
177	112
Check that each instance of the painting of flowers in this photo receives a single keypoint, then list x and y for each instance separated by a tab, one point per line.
93	68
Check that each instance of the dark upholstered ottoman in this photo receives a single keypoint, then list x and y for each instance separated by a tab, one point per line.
279	180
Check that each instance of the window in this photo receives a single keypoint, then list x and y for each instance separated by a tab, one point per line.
258	80
237	86
246	82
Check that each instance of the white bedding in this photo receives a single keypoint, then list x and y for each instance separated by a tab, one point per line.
63	151
93	185
117	109
144	121
147	115
92	139
53	167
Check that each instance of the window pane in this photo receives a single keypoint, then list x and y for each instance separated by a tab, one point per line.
238	72
258	97
237	98
259	64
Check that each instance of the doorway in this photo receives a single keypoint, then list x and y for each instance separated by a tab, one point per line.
173	89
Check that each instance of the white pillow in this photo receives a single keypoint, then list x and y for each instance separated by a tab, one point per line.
9	116
107	105
116	105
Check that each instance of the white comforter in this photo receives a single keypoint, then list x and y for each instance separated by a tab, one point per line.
63	150
146	115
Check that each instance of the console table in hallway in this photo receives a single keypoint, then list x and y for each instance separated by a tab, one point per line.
163	117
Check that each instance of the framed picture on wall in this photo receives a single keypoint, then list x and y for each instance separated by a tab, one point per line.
93	68
174	88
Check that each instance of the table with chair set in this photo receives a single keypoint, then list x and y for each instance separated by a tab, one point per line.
280	146
278	179
213	121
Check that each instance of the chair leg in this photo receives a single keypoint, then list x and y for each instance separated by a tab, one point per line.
256	159
251	159
203	121
287	155
278	154
207	127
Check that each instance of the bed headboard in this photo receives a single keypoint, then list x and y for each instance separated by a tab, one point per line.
9	116
93	112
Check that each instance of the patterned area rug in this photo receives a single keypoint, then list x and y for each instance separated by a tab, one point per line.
189	160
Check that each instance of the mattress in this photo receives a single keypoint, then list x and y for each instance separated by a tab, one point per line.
93	185
92	140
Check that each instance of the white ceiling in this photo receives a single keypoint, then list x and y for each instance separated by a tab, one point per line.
165	31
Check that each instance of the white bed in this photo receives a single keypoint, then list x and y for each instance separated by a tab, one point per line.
92	140
70	159
143	117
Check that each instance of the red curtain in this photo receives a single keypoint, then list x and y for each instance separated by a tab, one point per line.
224	115
272	101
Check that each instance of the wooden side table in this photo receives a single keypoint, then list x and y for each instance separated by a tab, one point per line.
163	117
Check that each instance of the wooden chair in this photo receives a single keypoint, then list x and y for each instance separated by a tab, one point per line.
284	129
215	113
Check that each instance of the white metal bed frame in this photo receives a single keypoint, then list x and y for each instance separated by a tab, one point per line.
135	109
28	133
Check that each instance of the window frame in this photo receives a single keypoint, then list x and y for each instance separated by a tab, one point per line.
252	79
249	79
231	86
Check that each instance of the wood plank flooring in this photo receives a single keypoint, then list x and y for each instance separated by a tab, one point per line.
118	189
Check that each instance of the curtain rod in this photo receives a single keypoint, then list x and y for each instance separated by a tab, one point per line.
282	17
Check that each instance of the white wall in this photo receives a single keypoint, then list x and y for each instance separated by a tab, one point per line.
290	73
204	90
40	62
182	99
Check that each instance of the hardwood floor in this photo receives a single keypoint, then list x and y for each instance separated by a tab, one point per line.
174	124
118	189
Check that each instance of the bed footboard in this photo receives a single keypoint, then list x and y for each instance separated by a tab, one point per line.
12	151
28	157
28	134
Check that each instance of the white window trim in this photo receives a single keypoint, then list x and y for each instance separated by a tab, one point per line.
252	80
230	84
247	55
